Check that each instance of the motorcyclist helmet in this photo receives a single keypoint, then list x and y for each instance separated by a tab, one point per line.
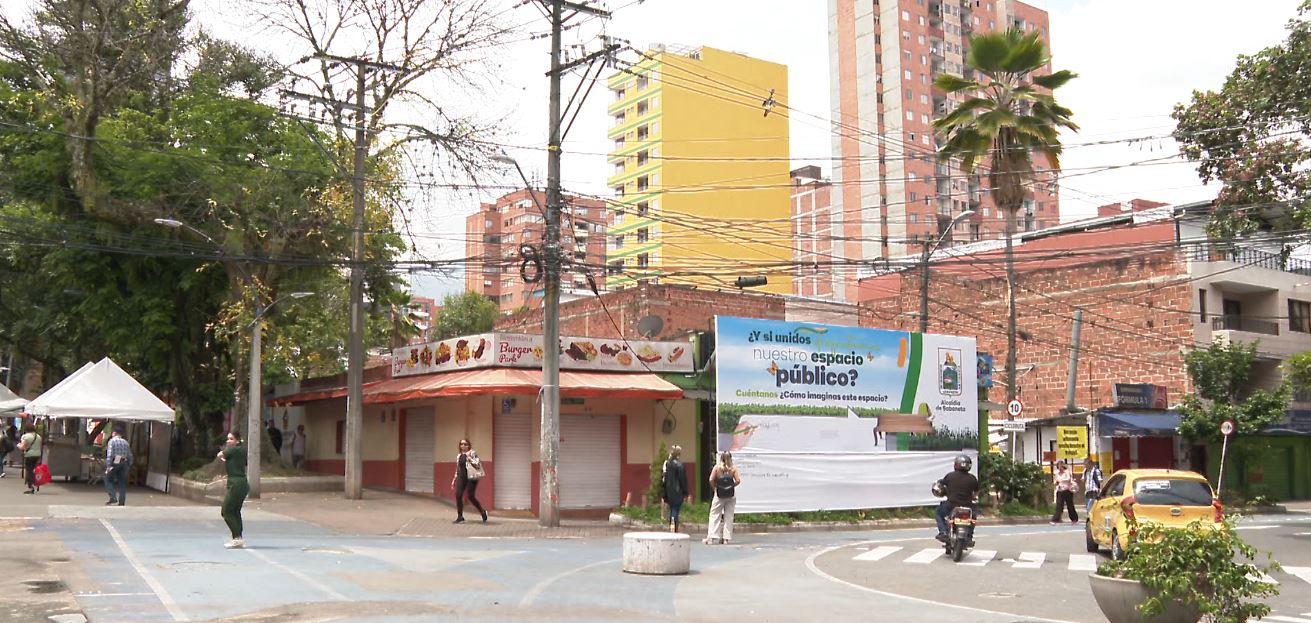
939	489
963	463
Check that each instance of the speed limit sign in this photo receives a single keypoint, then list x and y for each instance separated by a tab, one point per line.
1014	408
1227	428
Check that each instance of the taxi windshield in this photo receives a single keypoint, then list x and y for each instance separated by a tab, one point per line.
1166	492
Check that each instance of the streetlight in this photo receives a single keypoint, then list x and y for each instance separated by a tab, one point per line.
548	512
929	248
253	420
253	412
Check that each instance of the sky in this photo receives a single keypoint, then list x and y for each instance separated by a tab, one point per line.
1136	60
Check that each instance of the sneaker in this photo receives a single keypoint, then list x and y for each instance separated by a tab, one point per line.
484	516
708	541
2	474
111	502
458	520
29	491
941	537
235	544
1054	523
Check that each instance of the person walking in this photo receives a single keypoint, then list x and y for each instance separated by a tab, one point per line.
118	458
468	471
298	443
275	437
674	488
233	456
30	444
1065	486
725	479
1092	483
8	441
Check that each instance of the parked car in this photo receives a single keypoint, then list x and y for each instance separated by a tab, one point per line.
1169	497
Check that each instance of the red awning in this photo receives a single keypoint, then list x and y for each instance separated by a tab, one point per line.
313	395
573	383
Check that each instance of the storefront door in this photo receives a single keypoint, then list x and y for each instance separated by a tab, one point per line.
512	464
589	461
418	450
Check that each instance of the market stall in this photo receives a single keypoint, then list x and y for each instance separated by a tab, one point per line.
103	391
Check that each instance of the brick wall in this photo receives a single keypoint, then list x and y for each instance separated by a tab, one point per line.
1135	323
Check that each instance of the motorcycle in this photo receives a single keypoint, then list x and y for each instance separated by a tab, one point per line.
960	532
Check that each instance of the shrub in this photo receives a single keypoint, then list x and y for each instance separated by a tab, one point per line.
1196	564
653	492
1012	479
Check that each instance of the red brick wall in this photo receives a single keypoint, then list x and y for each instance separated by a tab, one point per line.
682	308
1135	323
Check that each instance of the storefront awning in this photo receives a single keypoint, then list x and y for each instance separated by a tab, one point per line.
1128	424
301	398
575	384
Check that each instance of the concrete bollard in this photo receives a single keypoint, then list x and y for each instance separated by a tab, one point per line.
657	553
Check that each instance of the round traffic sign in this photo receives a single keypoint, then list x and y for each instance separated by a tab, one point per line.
1227	428
1014	408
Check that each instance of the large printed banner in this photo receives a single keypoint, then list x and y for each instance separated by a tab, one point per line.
833	417
522	350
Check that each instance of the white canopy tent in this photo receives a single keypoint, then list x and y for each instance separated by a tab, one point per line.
9	401
103	391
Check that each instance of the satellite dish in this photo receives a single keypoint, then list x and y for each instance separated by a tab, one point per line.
650	326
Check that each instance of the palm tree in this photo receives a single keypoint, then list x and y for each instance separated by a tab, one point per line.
1005	118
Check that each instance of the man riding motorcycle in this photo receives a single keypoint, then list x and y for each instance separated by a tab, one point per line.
960	488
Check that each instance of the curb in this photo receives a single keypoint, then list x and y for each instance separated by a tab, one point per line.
829	526
212	492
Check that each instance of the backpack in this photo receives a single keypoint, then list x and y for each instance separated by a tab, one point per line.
724	485
41	475
5	445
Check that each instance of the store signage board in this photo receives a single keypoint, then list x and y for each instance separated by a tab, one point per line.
522	350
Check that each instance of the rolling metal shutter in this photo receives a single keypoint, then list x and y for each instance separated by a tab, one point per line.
418	450
512	462
589	461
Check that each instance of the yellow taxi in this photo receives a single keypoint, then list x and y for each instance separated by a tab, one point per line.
1168	497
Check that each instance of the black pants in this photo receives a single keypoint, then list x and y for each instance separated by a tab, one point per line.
29	470
466	487
1065	499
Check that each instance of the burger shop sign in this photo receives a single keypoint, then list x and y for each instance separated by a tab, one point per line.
522	350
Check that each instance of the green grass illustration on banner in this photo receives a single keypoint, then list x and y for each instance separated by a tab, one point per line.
912	373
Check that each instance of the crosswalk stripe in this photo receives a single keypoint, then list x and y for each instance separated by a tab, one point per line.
878	553
1303	573
1083	562
978	557
1029	560
1283	619
1261	577
926	556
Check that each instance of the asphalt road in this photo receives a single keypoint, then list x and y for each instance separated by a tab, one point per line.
1041	571
159	564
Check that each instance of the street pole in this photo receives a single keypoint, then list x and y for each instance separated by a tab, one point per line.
924	289
355	356
549	512
254	438
1073	376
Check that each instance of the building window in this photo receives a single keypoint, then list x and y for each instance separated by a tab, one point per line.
642	183
642	158
619	94
619	119
615	268
914	218
1201	304
641	82
643	234
641	108
488	224
619	242
910	115
619	191
905	15
908	76
642	133
642	208
1299	316
643	260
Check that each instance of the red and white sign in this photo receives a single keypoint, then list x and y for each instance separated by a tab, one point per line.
1227	428
1014	408
521	350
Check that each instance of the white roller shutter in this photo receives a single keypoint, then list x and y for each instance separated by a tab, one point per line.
512	462
418	450
589	461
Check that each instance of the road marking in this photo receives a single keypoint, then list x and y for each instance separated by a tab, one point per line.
925	556
1263	526
163	596
878	553
1083	562
978	557
324	588
1275	617
537	589
810	564
1303	573
82	595
1261	577
1029	560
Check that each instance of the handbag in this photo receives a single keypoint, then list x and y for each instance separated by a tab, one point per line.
41	475
473	466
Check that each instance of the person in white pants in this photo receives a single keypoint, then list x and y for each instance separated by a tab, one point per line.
724	479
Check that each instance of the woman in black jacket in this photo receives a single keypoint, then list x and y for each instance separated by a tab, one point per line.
468	471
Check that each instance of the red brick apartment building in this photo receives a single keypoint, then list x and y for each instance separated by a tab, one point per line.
494	233
890	191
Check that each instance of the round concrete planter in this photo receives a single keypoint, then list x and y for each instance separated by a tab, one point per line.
1119	599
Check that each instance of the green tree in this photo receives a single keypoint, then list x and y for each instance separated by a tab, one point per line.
464	314
1223	391
1251	135
1007	115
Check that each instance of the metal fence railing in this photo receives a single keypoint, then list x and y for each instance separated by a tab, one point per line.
1239	323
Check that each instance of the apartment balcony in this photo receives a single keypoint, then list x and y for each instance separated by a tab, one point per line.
1244	325
1273	342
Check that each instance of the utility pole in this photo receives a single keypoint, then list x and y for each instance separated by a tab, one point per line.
354	441
1074	361
548	509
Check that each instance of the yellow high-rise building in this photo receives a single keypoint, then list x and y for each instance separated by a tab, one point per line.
700	184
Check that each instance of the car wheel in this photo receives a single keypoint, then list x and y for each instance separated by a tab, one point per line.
1087	535
1117	551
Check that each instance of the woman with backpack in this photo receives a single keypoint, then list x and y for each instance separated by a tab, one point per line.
724	478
